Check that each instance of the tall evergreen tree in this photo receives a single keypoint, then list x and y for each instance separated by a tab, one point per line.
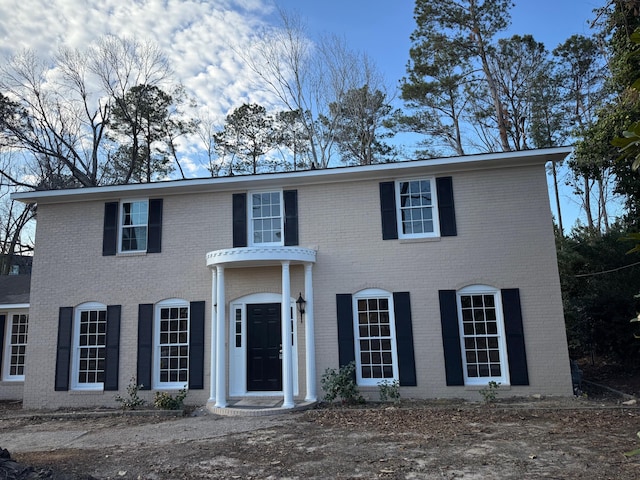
450	58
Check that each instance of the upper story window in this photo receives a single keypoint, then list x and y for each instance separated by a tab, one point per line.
417	211
15	346
482	335
417	208
134	221
132	226
266	219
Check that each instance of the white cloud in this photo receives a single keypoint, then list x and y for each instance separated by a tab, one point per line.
196	35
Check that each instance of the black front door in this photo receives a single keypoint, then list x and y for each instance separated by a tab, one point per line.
264	343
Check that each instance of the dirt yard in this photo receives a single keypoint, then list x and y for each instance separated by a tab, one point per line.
560	439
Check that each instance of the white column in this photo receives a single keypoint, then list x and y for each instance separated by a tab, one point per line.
214	323
309	334
287	366
221	367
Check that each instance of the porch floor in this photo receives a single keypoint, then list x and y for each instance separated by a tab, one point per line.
257	406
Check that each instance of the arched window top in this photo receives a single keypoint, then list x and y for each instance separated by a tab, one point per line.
169	302
91	306
372	292
471	289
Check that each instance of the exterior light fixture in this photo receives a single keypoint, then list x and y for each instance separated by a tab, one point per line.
301	302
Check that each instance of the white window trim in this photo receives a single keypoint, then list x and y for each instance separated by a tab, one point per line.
156	383
75	357
502	343
121	226
374	293
6	361
250	219
435	216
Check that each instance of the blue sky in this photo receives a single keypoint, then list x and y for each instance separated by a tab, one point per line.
201	37
381	28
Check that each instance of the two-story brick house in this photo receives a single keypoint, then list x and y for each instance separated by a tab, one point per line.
440	274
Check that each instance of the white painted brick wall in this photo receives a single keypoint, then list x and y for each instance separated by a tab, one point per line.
505	239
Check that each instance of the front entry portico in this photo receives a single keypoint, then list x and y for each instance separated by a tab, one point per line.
260	374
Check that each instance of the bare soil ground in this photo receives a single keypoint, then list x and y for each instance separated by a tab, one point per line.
575	438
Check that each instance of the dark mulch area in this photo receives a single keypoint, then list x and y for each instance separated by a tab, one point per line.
623	379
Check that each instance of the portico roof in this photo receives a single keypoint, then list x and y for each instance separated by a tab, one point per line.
260	256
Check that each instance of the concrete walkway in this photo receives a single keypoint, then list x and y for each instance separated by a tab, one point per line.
101	432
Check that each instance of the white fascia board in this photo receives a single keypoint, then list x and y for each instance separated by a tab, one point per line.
13	306
283	180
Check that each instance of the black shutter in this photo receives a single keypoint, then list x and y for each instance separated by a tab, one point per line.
112	350
154	242
110	231
451	337
404	339
196	345
388	211
346	347
145	345
516	352
63	357
239	219
3	324
290	198
446	207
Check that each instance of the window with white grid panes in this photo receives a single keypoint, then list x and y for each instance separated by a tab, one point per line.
16	346
376	358
482	339
134	226
417	214
173	346
266	218
91	336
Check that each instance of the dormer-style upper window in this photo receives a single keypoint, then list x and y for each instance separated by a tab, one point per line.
134	220
417	211
132	226
266	222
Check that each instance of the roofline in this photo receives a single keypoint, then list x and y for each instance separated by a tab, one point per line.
13	306
329	175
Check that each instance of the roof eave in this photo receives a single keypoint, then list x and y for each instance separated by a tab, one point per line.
332	175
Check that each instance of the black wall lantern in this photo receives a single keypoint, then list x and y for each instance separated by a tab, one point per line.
301	302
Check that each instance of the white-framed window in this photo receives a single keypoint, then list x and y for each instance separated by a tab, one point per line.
417	208
134	225
17	327
375	337
171	331
482	335
89	346
266	222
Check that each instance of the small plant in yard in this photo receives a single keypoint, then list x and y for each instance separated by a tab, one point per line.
341	384
635	452
490	392
166	401
389	391
132	400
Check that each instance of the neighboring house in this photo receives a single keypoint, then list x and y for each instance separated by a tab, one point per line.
440	274
14	323
20	264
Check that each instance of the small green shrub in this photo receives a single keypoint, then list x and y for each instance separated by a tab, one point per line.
341	384
132	400
490	392
166	401
389	391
